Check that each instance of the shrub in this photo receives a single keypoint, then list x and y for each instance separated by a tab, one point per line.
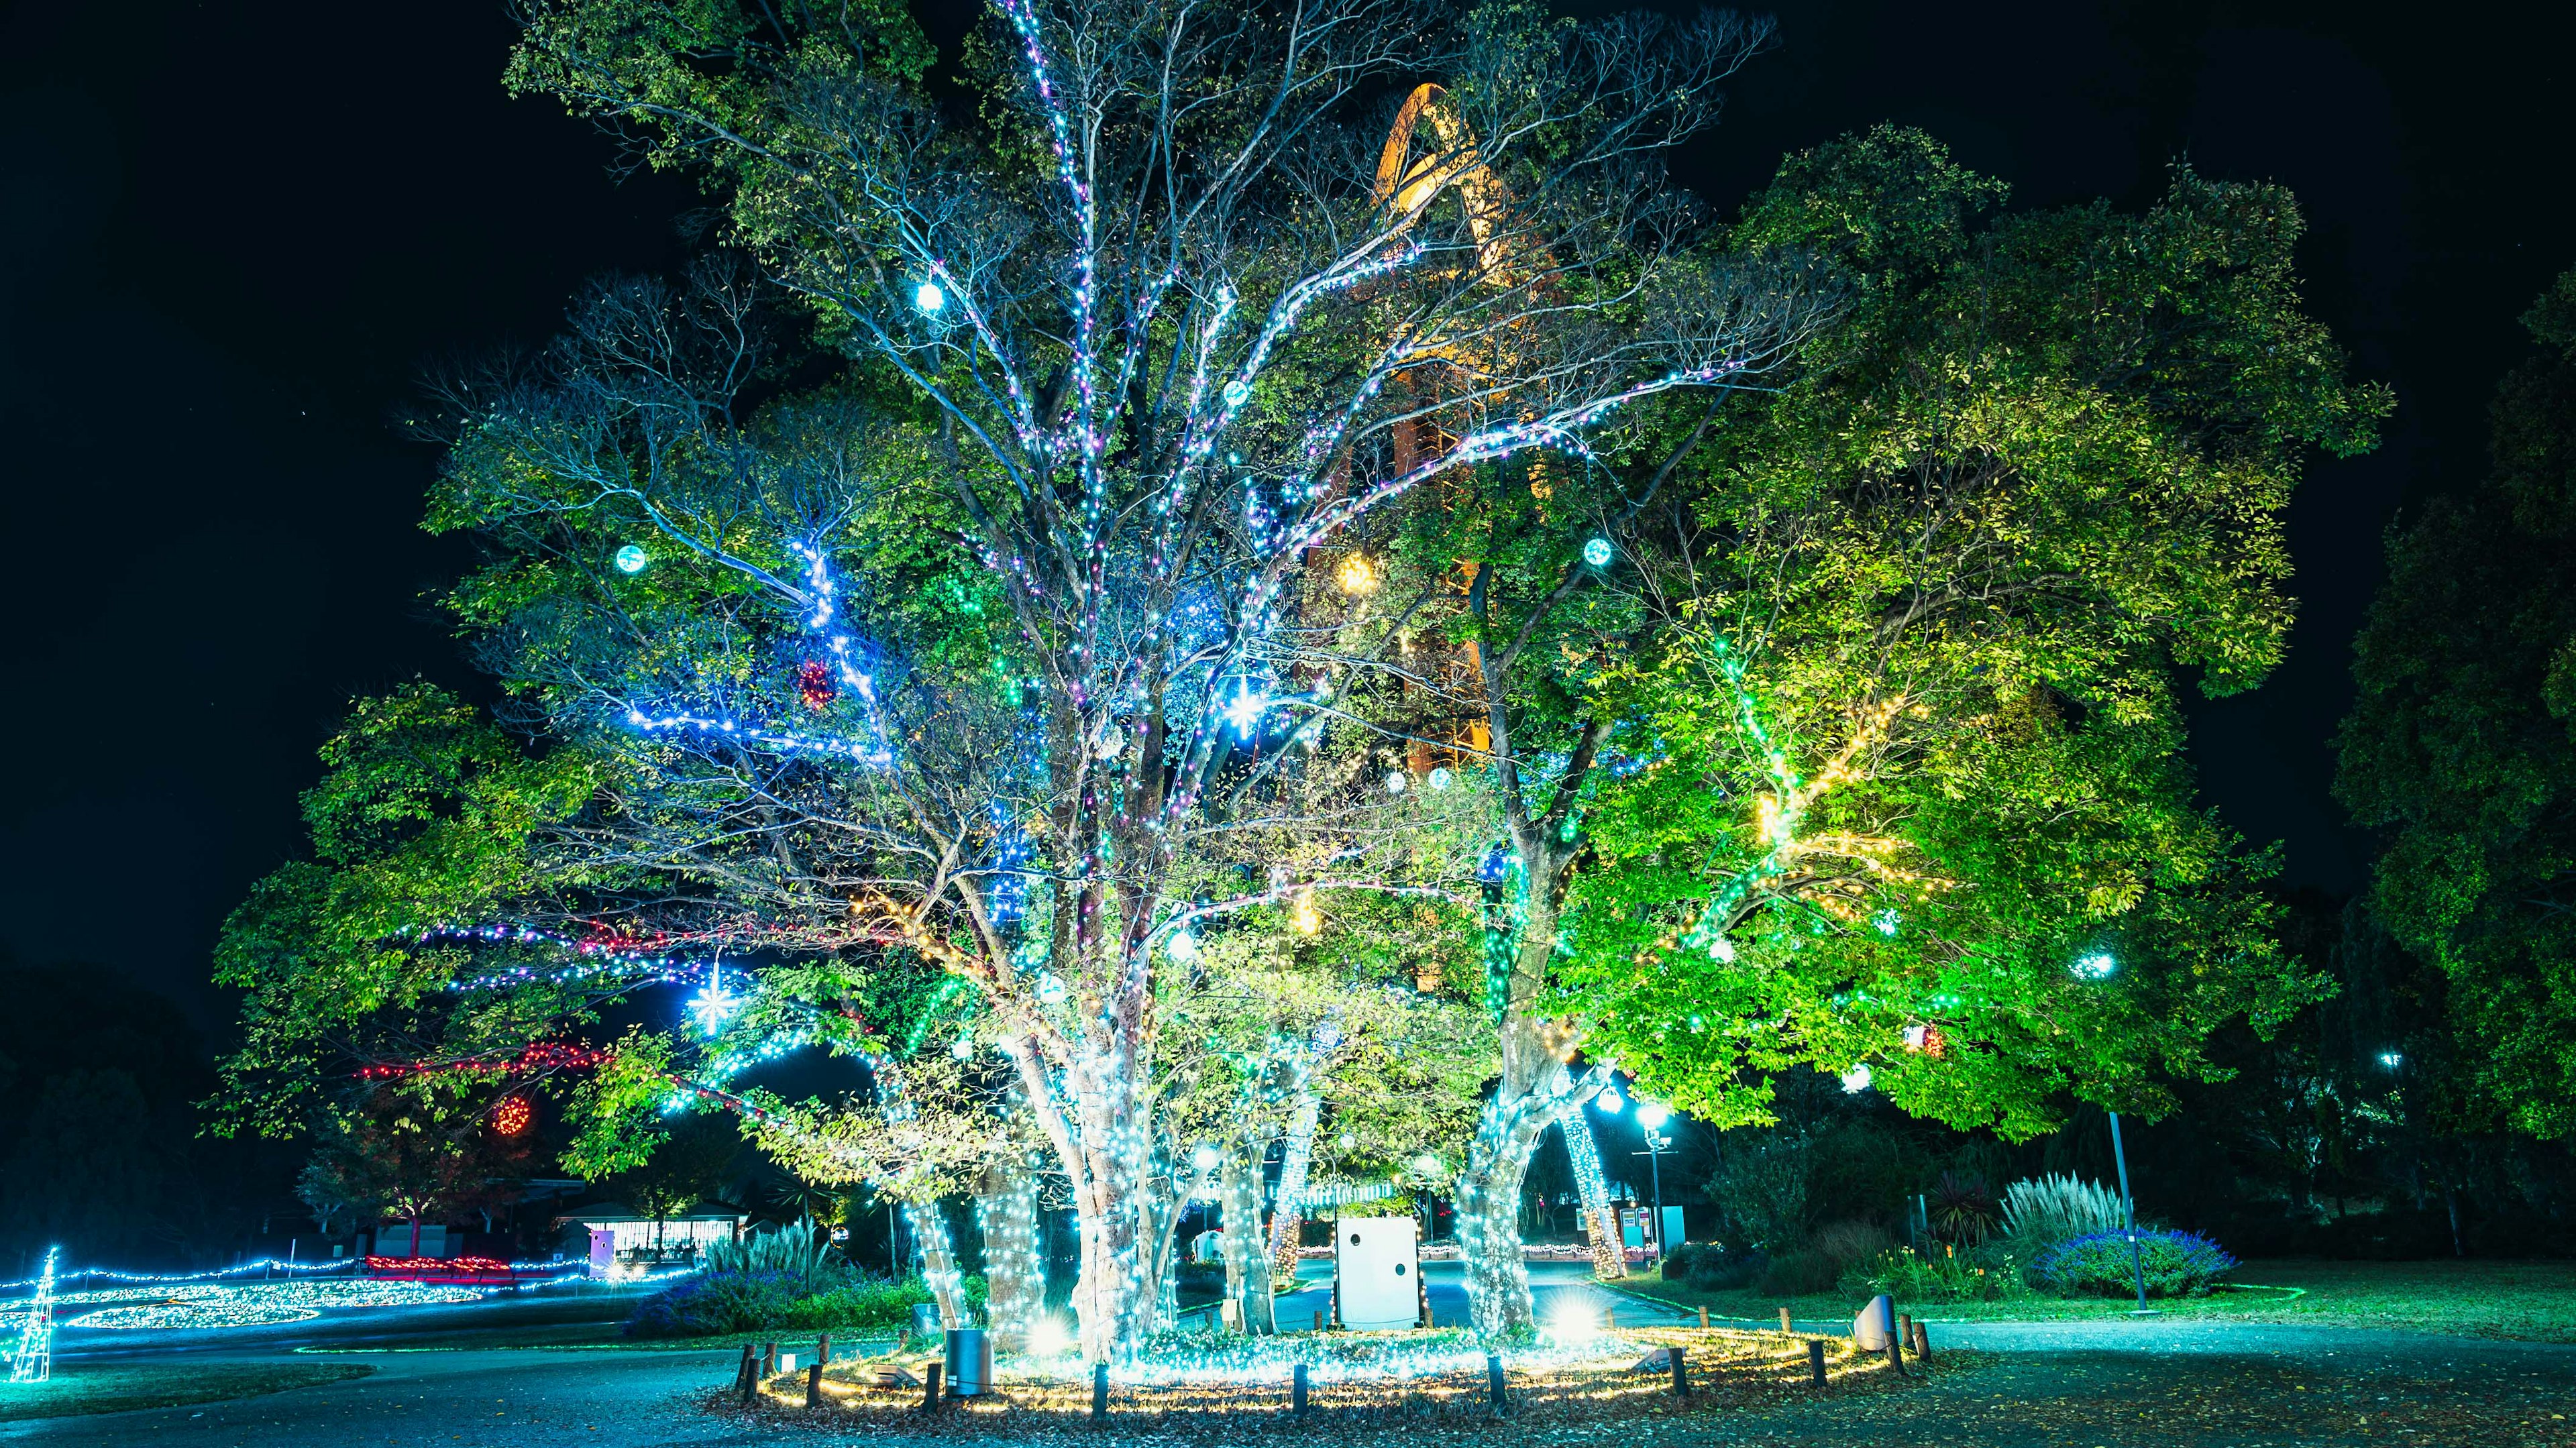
1962	1210
796	1251
1799	1274
1715	1268
1990	1275
2041	1212
713	1303
1680	1258
2177	1264
1851	1243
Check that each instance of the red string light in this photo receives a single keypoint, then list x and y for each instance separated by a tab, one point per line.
543	1056
512	1115
814	685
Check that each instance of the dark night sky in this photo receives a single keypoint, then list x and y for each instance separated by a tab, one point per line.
232	234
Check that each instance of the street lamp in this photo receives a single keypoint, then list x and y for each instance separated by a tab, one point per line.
1652	1117
2098	966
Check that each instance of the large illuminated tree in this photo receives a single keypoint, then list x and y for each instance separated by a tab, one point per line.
1154	325
1909	802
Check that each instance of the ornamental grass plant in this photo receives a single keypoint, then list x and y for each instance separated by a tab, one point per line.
2040	1212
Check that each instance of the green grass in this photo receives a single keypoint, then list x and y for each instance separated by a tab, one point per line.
2533	1301
119	1389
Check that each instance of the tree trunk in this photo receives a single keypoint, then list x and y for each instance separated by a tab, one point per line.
415	1236
1006	1207
938	1261
1247	1255
1609	1244
1489	1217
1289	1215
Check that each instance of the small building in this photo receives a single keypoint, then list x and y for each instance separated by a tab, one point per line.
624	1241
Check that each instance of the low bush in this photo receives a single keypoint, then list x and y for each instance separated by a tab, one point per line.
1678	1262
1716	1269
713	1303
1852	1243
1799	1274
1980	1275
2098	1264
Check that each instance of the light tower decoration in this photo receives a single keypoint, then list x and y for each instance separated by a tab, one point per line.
33	1362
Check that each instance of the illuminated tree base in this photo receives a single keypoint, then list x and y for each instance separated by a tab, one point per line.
1354	1379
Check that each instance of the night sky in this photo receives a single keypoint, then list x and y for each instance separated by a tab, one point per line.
232	235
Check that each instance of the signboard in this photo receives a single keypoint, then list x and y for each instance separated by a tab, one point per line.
603	1250
1377	1270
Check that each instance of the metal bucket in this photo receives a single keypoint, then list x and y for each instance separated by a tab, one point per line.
970	1361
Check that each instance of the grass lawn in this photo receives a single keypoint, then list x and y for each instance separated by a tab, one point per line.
122	1388
2535	1301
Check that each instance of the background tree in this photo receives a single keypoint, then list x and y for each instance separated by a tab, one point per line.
2462	746
1910	802
421	1163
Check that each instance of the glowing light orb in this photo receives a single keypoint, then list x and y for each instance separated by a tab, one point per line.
1887	921
1182	946
1721	949
512	1115
1395	781
1246	710
1441	778
1610	1102
1651	1115
929	297
1857	1079
2097	966
1597	552
1305	916
1347	1141
963	1049
1205	1159
1047	1338
2391	1059
632	558
714	1006
1358	576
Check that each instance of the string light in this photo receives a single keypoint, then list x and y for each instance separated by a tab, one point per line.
32	1361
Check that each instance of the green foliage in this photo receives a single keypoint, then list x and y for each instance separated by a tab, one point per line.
709	1304
2176	1264
1947	1275
1913	740
429	814
1762	1187
2462	749
795	1250
1799	1274
1852	1242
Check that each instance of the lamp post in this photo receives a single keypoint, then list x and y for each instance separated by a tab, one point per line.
2129	1214
2101	965
1652	1117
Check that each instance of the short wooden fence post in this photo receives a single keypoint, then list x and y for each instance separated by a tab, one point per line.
1297	1392
745	1378
1816	1361
930	1376
1784	1320
813	1385
1494	1382
1100	1392
1681	1373
1703	1319
823	1350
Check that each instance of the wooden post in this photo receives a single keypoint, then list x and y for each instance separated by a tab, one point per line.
1610	1319
1494	1381
1100	1392
745	1378
1905	1330
930	1375
768	1361
814	1385
1429	1318
1703	1318
1319	1319
1297	1392
1784	1320
1922	1342
1681	1373
823	1350
1816	1360
1895	1356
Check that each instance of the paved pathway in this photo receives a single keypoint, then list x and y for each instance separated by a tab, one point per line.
2120	1384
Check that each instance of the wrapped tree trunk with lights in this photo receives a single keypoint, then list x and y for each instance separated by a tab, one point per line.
1156	350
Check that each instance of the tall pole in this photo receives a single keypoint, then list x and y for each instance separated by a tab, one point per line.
1655	1171
2129	1212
